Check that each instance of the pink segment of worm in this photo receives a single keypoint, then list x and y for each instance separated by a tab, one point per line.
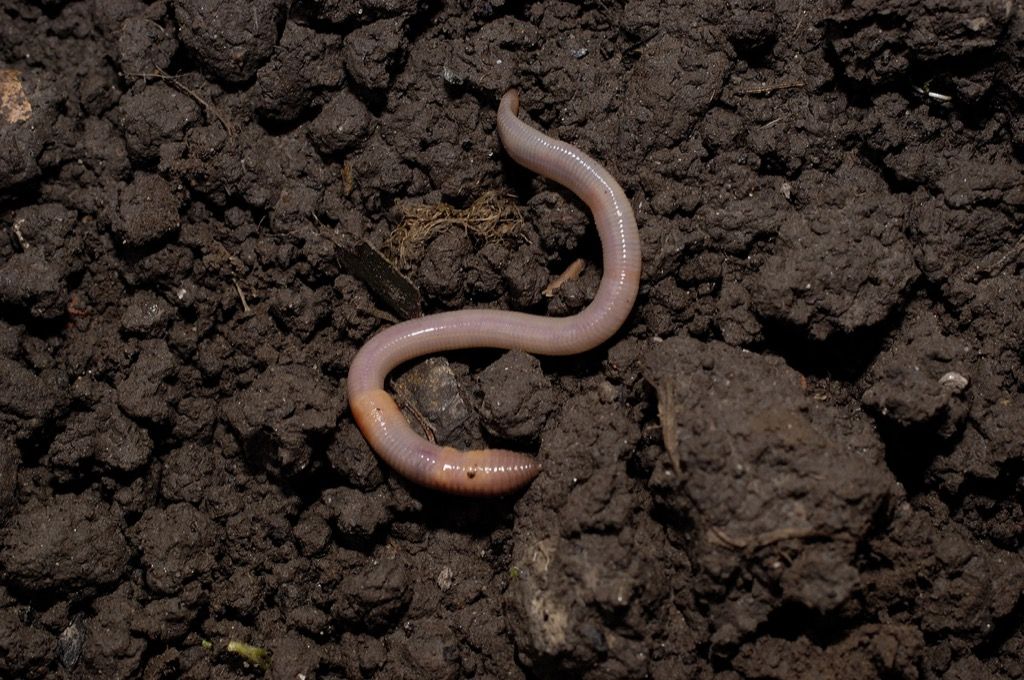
489	472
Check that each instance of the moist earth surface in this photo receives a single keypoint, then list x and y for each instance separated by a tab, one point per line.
800	457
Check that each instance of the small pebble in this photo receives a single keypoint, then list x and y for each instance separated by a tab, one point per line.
953	381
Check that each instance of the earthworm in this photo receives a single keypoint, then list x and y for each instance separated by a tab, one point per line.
487	472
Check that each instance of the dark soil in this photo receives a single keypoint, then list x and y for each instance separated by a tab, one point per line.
802	457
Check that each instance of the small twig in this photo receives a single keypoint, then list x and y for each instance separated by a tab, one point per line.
241	296
324	231
347	177
405	401
936	96
160	74
1015	250
233	260
717	536
769	89
16	228
986	272
571	272
382	315
669	428
381	275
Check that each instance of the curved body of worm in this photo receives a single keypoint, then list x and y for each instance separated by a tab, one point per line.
489	472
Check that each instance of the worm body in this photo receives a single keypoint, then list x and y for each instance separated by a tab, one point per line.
496	471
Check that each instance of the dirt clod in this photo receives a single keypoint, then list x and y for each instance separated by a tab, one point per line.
73	542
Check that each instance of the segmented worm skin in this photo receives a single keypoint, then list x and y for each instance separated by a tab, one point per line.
497	471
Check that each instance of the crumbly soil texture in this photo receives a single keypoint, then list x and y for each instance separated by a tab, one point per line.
801	457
